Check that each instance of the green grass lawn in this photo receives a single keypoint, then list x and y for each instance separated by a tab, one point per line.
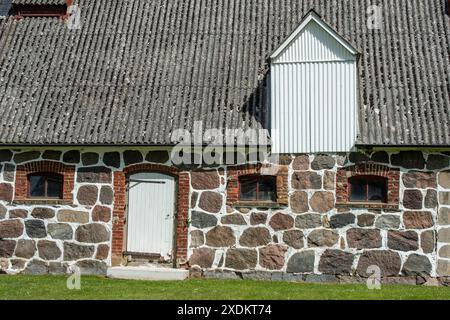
93	288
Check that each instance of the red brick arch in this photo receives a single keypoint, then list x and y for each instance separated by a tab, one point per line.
119	214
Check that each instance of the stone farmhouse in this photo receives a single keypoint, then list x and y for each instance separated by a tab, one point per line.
302	140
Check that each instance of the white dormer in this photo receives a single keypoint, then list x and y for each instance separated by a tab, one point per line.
314	91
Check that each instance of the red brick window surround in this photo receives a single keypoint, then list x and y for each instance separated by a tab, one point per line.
120	202
368	171
235	174
44	167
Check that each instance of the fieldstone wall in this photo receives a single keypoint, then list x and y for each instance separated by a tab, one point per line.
312	237
47	237
315	239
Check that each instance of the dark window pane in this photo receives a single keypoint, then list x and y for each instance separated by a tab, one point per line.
37	186
377	190
357	190
267	190
248	189
54	187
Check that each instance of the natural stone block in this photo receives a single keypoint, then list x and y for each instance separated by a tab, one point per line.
420	180
35	229
197	239
220	237
444	198
92	233
272	257
258	218
89	158
11	229
211	201
9	172
106	195
408	160
87	195
73	251
403	240
73	216
72	157
60	231
364	238
417	265
18	213
51	155
26	156
308	221
203	257
299	202
301	162
36	268
323	162
112	159
43	213
444	216
437	162
358	157
366	220
48	250
388	222
443	268
281	221
7	248
431	199
101	214
322	202
57	268
444	252
92	267
102	252
203	220
6	192
306	180
94	175
301	262
323	238
5	155
294	239
413	199
428	241
18	264
234	219
205	180
341	220
3	211
158	156
389	263
418	220
444	235
255	237
241	259
444	179
25	249
380	157
329	180
132	157
336	262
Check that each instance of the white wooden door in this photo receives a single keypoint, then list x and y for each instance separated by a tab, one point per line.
151	203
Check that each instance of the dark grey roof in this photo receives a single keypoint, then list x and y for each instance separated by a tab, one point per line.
137	70
40	2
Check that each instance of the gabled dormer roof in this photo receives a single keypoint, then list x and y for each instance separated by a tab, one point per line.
312	17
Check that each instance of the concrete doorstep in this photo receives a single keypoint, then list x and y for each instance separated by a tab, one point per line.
147	273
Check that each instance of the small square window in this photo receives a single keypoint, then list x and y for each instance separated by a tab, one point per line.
368	189
45	186
258	188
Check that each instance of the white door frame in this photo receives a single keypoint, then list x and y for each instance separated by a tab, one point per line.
174	220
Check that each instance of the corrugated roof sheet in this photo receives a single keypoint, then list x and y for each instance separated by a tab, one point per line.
137	70
40	2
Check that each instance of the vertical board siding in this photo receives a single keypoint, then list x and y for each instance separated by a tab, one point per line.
151	214
314	95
